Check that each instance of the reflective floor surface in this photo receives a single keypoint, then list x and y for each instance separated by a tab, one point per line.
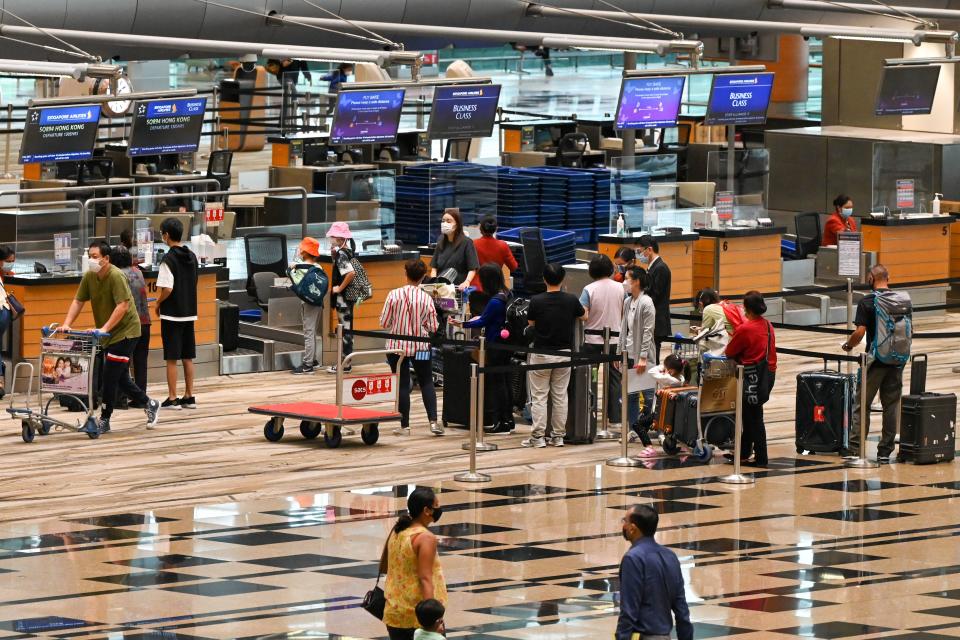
811	550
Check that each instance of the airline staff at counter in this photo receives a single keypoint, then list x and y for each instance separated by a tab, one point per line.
840	220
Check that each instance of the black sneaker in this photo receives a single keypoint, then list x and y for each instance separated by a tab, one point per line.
173	404
303	369
153	413
883	459
848	454
103	426
188	402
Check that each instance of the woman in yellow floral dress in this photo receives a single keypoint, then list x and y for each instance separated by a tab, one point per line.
412	565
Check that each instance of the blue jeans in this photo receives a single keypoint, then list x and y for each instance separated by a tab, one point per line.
633	405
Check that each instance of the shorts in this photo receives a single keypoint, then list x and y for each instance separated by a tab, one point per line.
179	341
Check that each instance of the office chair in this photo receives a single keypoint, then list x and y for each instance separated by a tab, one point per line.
534	260
808	234
218	167
262	281
571	148
266	253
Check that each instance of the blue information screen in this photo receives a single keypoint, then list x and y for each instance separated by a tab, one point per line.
464	111
166	126
741	98
650	103
60	134
367	117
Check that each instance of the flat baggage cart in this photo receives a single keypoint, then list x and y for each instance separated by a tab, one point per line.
332	420
67	368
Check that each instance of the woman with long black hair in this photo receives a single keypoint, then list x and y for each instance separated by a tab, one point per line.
412	565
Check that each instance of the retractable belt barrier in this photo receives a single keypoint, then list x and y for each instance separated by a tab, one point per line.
432	340
818	355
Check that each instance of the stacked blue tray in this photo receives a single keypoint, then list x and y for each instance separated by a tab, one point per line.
518	196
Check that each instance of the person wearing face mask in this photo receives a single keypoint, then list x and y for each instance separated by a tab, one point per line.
624	259
636	340
454	251
8	256
343	274
115	312
412	566
651	583
659	289
839	221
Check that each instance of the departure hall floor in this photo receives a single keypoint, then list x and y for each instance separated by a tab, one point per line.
202	529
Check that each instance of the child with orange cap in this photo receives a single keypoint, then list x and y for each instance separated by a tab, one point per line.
310	284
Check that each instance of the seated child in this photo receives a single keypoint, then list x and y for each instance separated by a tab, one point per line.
430	617
667	374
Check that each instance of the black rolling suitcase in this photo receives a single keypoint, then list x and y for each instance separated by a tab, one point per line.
927	433
825	402
229	322
581	419
456	389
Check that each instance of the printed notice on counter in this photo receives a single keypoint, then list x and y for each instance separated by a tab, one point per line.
214	214
62	244
905	193
145	246
724	204
848	254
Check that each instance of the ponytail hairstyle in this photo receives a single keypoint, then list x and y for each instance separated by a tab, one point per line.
421	498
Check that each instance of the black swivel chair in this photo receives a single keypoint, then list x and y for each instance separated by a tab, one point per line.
571	148
266	253
534	260
218	168
808	234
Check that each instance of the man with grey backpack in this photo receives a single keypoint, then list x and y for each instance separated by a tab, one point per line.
886	318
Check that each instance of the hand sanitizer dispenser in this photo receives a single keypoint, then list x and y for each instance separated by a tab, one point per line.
936	203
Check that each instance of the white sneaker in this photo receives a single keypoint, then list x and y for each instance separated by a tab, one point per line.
401	431
436	428
556	441
536	443
633	436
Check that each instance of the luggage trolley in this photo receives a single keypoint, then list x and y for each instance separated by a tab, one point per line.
332	419
67	366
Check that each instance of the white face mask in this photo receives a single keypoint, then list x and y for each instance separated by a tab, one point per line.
93	265
846	212
447	227
627	287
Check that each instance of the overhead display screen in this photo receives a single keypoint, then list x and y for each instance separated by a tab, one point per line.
464	111
741	98
366	117
166	126
907	90
60	134
650	103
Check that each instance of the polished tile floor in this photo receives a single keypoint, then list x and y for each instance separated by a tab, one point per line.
811	550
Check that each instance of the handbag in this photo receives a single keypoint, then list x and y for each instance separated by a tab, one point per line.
15	306
375	601
758	379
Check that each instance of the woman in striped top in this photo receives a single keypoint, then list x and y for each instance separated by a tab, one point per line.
409	311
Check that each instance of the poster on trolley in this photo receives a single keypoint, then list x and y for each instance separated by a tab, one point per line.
63	367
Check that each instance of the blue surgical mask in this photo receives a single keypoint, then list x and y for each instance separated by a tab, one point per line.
644	259
846	212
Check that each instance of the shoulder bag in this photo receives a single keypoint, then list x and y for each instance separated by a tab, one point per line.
758	379
375	601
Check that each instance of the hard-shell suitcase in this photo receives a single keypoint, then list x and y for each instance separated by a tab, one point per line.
825	402
927	420
456	389
581	419
717	427
667	403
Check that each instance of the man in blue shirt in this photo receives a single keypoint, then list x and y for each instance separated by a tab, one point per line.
651	585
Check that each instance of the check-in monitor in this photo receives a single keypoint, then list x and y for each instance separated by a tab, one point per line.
739	98
60	134
907	90
650	102
367	116
464	111
166	126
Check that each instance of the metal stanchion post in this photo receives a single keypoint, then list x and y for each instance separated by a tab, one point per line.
624	460
849	315
862	462
736	477
472	475
605	433
6	146
480	445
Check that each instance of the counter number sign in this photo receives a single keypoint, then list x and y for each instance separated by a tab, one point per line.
214	213
906	194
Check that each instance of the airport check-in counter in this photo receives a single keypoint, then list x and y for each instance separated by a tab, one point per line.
735	260
677	251
47	297
915	248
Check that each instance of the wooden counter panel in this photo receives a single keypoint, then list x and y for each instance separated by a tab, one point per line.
747	263
954	251
912	253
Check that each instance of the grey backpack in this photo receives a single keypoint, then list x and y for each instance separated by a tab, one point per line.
894	315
